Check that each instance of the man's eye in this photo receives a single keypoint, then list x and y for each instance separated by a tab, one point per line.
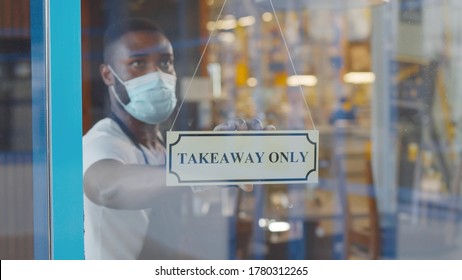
165	64
138	64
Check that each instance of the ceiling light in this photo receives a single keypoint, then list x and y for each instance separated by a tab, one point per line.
246	21
359	77
263	222
252	82
279	226
302	80
267	17
227	23
226	37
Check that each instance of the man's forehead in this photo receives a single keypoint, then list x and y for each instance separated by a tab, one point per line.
145	42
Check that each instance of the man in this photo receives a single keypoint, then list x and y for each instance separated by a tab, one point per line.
123	156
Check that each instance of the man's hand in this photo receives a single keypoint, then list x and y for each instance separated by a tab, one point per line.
242	125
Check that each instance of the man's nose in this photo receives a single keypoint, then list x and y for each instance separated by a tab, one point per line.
153	67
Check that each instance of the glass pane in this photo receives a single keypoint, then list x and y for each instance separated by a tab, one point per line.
23	228
428	122
377	79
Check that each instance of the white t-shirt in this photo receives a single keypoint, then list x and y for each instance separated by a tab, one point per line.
111	233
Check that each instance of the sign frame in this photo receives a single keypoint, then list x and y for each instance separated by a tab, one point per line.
311	175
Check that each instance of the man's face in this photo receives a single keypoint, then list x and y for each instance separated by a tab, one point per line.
137	53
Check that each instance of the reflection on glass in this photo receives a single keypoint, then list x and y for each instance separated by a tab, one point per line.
16	185
412	108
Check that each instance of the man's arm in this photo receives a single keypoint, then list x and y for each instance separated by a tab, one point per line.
113	184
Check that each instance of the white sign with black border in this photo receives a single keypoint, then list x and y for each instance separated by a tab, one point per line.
241	157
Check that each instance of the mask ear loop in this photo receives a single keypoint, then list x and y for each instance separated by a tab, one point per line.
112	88
115	74
288	53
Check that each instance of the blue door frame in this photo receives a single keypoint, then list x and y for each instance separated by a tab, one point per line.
57	122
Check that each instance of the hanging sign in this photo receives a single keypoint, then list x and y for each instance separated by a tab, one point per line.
242	157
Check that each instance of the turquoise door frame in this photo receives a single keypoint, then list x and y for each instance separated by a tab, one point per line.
65	93
57	122
65	112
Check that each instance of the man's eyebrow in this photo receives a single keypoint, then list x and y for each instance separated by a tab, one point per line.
159	49
137	54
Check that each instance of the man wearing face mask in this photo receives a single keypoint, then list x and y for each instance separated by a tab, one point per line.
123	154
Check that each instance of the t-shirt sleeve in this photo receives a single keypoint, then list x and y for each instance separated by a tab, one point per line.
104	147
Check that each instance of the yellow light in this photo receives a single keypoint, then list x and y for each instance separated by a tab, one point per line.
263	222
229	22
267	17
252	82
359	77
302	80
210	26
226	37
246	21
279	226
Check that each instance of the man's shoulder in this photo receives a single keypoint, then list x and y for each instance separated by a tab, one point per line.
105	140
104	127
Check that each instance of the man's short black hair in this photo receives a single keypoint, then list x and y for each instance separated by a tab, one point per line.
115	31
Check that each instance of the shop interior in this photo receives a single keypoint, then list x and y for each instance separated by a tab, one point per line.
306	65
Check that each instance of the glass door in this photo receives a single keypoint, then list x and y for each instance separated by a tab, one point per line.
40	158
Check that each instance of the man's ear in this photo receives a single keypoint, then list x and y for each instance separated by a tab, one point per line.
106	75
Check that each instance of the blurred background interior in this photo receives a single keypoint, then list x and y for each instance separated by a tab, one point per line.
382	83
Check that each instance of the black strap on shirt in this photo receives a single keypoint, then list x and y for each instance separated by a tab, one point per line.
130	135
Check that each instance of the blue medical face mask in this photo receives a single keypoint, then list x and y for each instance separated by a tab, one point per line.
152	96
